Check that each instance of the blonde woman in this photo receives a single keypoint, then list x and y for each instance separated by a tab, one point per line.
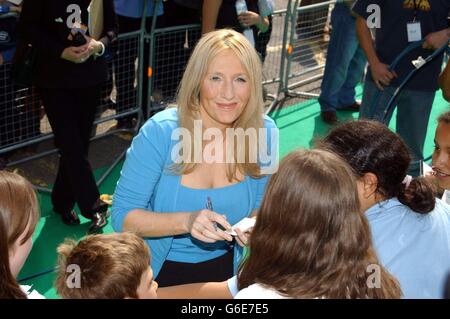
188	177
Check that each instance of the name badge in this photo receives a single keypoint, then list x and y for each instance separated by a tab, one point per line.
414	31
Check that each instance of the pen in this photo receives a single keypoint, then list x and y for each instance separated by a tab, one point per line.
209	206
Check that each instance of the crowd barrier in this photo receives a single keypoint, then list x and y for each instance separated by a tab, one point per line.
293	57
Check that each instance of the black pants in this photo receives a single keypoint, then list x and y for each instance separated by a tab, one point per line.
71	113
178	273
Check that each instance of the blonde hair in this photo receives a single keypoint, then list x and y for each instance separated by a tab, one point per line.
188	99
111	266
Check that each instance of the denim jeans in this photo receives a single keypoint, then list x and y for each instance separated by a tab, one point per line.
345	62
413	113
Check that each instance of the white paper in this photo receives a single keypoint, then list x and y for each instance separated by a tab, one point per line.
244	225
426	168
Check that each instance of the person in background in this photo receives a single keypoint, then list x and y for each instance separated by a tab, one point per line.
173	49
129	17
440	174
410	227
70	71
126	258
19	215
218	14
344	66
391	37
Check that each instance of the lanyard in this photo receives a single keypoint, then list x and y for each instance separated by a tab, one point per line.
415	10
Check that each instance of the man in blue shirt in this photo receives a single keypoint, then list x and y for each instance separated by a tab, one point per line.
428	20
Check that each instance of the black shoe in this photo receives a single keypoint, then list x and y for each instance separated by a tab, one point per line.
99	220
353	108
69	217
329	117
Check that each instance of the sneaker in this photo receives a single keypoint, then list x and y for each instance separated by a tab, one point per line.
329	117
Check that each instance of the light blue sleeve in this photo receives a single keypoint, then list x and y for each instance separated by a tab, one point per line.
141	172
273	154
233	286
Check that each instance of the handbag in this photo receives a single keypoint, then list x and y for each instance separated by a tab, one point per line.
23	63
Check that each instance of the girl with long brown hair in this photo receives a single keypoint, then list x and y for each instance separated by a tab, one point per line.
19	214
310	239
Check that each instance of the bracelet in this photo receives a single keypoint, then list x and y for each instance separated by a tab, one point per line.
102	50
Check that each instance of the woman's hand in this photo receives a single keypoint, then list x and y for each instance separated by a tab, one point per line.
249	18
242	238
202	226
94	46
76	54
82	53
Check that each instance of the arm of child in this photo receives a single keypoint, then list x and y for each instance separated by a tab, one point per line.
204	290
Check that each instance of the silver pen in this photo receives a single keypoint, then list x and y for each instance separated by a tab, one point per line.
209	206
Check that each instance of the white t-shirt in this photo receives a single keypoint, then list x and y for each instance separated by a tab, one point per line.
31	293
258	291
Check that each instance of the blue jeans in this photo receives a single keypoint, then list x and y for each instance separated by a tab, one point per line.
413	113
345	62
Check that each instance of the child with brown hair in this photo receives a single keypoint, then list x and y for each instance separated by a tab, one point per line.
19	214
310	239
112	266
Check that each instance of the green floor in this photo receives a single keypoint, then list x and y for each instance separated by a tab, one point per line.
299	126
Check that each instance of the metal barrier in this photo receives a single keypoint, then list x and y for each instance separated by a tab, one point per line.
171	48
170	51
122	96
274	59
306	46
23	122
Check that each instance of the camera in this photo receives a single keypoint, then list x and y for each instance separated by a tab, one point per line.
78	39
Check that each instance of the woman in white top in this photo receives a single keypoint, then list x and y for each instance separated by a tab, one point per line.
310	239
19	214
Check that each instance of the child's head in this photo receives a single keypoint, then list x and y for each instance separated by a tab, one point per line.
441	154
310	238
113	266
380	160
19	214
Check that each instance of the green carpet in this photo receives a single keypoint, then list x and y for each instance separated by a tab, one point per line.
299	126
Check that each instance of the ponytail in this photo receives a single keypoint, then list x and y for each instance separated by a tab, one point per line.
419	195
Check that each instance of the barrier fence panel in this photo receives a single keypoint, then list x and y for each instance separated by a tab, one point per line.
170	51
309	41
22	117
292	54
171	48
272	62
